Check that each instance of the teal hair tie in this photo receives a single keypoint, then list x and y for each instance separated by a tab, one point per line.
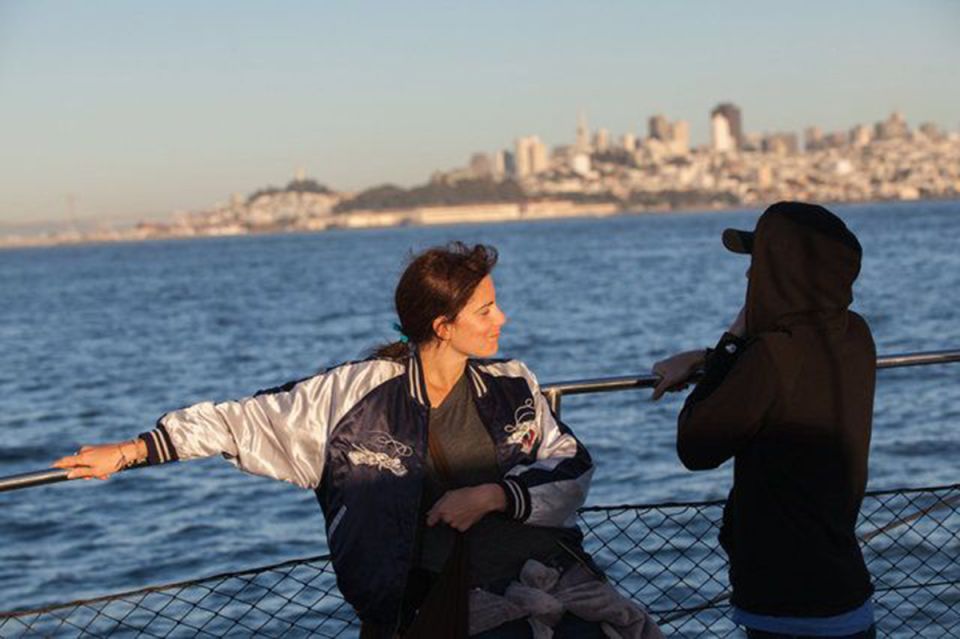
403	337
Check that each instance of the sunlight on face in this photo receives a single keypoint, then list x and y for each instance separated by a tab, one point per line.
476	330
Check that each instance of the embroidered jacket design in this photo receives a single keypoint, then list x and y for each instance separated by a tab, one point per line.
524	430
384	453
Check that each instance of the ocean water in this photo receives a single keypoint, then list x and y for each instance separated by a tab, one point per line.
98	341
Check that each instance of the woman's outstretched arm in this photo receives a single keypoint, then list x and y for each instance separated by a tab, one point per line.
104	460
280	433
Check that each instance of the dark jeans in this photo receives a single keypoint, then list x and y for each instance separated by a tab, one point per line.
869	633
570	627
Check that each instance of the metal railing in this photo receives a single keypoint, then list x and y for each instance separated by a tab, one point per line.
557	390
554	392
665	556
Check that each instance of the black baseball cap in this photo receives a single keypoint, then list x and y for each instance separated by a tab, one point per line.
810	216
738	241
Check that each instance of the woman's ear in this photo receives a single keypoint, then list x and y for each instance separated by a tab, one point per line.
441	328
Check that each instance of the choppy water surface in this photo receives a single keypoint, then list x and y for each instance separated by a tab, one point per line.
97	341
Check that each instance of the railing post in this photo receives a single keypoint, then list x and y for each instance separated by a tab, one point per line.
554	396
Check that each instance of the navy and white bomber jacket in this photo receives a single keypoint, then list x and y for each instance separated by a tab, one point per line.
356	434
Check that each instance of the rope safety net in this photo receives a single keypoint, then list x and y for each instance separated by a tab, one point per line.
665	556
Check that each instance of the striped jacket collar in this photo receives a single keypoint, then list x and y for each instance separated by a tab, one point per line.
417	382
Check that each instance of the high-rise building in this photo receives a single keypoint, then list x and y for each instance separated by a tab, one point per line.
930	131
835	140
780	143
751	142
812	138
893	127
583	133
503	165
601	140
860	135
731	113
629	142
538	157
680	139
720	135
672	138
530	156
481	165
658	128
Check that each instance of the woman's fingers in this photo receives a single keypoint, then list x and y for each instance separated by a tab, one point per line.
70	461
433	516
458	508
79	473
85	472
88	463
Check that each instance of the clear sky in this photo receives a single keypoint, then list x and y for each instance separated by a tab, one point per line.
134	109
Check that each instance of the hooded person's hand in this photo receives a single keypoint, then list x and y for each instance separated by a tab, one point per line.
675	372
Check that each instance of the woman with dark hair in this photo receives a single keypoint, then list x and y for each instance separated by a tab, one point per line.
449	489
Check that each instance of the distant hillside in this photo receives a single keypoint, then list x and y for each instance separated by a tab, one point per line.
437	193
295	186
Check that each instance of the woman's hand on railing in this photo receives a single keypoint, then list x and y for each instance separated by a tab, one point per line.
102	461
675	372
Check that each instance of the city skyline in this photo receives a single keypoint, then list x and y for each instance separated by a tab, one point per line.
113	121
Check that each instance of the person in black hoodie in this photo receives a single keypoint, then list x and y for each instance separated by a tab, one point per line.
788	394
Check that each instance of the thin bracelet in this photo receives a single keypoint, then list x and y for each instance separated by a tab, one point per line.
124	462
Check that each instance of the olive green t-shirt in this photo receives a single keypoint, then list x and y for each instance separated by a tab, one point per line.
499	546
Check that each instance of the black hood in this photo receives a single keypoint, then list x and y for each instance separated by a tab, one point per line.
803	265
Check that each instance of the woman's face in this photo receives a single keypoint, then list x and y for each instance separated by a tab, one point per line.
476	330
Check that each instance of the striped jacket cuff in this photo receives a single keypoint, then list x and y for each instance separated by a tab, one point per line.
518	499
160	448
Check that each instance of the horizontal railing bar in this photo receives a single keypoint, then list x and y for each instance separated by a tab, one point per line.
26	480
607	384
918	359
554	391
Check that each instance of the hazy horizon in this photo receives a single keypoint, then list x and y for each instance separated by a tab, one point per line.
133	111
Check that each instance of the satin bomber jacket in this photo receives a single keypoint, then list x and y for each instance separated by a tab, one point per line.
356	434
